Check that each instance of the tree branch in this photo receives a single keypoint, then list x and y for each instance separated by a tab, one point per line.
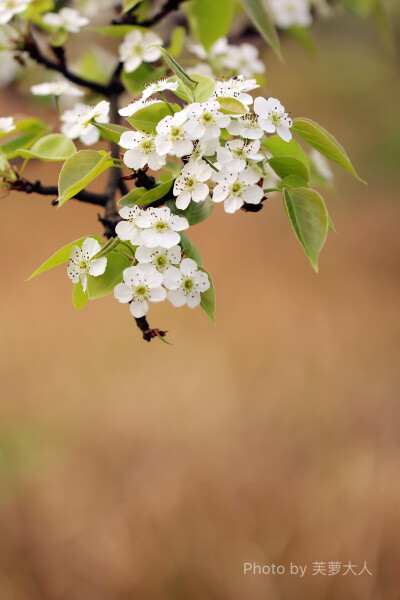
24	185
167	8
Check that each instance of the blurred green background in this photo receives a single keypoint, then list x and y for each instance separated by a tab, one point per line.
145	471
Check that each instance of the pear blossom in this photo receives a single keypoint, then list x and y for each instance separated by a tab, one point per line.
128	111
6	124
189	185
205	120
219	47
202	69
202	148
272	117
172	137
82	262
127	230
234	189
142	284
287	13
244	59
8	67
235	154
62	87
186	284
135	49
10	8
247	127
159	86
161	258
160	227
236	87
141	150
77	121
67	18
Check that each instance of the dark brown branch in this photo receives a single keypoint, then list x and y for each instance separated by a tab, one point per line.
148	333
23	185
130	17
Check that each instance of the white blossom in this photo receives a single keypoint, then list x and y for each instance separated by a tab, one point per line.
160	227
81	262
234	189
142	284
6	124
161	258
77	121
321	165
10	8
56	88
135	49
236	87
128	111
127	229
141	150
189	185
203	148
287	13
244	60
272	117
205	120
159	86
67	18
235	154
219	47
172	136
247	127
186	284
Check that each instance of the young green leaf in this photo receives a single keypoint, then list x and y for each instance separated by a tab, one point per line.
292	181
308	216
129	4
156	193
79	170
114	30
79	297
320	139
196	212
132	197
210	20
146	119
190	249
286	166
60	257
177	41
111	132
204	90
208	298
50	148
143	75
177	69
259	15
104	284
279	149
231	106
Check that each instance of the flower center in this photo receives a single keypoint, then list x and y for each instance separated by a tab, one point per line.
187	285
208	119
237	188
190	183
161	261
161	226
239	153
147	146
140	292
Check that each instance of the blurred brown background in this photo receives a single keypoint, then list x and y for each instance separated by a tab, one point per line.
145	471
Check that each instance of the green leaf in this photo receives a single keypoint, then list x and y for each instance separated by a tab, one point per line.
143	75
25	134
156	193
177	69
292	181
286	166
104	284
58	37
115	30
204	90
190	249
79	297
259	15
177	41
111	132
304	37
208	298
60	257
383	22
279	149
92	68
129	4
51	148
361	8
79	170
210	20
231	106
308	216
196	212
146	119
324	142
132	197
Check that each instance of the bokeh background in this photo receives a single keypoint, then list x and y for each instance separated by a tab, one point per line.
144	471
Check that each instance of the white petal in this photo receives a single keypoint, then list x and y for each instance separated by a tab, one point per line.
253	194
188	267
176	297
125	230
135	159
284	133
178	223
90	247
193	299
172	278
169	239
157	294
138	308
233	204
260	106
200	192
123	293
98	266
144	254
183	200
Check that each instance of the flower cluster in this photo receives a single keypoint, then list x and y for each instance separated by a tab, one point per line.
77	121
220	147
241	59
